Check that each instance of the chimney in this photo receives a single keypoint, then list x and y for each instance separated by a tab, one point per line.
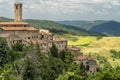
18	12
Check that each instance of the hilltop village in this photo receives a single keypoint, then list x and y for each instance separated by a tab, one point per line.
21	32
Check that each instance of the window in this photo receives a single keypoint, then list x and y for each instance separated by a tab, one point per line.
42	36
1	31
16	7
25	25
28	37
87	68
36	36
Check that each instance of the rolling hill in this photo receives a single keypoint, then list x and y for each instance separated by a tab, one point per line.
3	19
111	28
102	47
92	45
77	23
55	27
83	24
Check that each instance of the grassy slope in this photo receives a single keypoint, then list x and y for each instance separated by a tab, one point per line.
90	44
103	47
79	41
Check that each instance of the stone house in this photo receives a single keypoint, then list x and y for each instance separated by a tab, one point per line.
22	32
75	50
89	63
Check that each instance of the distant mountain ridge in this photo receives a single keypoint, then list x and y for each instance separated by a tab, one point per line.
55	27
111	28
74	22
60	28
3	19
83	24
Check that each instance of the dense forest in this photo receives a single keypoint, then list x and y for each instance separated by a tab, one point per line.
29	63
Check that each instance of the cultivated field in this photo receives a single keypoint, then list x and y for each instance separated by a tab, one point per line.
96	45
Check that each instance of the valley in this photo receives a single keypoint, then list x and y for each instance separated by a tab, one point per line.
93	45
60	40
78	34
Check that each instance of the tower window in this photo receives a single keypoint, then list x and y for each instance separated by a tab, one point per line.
16	7
28	37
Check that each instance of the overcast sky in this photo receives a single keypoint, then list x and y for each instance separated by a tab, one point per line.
64	9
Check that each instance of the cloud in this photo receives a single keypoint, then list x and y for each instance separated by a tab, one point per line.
66	9
116	3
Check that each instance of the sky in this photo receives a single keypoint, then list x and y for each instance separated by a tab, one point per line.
59	10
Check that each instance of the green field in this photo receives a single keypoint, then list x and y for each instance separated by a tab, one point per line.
96	45
79	41
103	47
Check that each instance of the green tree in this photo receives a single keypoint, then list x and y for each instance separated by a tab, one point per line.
38	48
3	52
54	51
29	72
69	76
106	74
17	47
115	54
62	55
51	68
68	57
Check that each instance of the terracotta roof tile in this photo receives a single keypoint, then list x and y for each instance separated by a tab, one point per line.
13	23
73	48
35	41
83	58
59	39
45	33
18	28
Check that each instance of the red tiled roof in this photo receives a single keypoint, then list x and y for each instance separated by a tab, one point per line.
35	41
18	28
45	33
13	23
83	58
73	48
59	39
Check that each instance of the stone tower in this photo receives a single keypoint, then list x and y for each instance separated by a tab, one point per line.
18	12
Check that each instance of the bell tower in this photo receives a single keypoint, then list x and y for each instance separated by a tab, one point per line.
18	12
